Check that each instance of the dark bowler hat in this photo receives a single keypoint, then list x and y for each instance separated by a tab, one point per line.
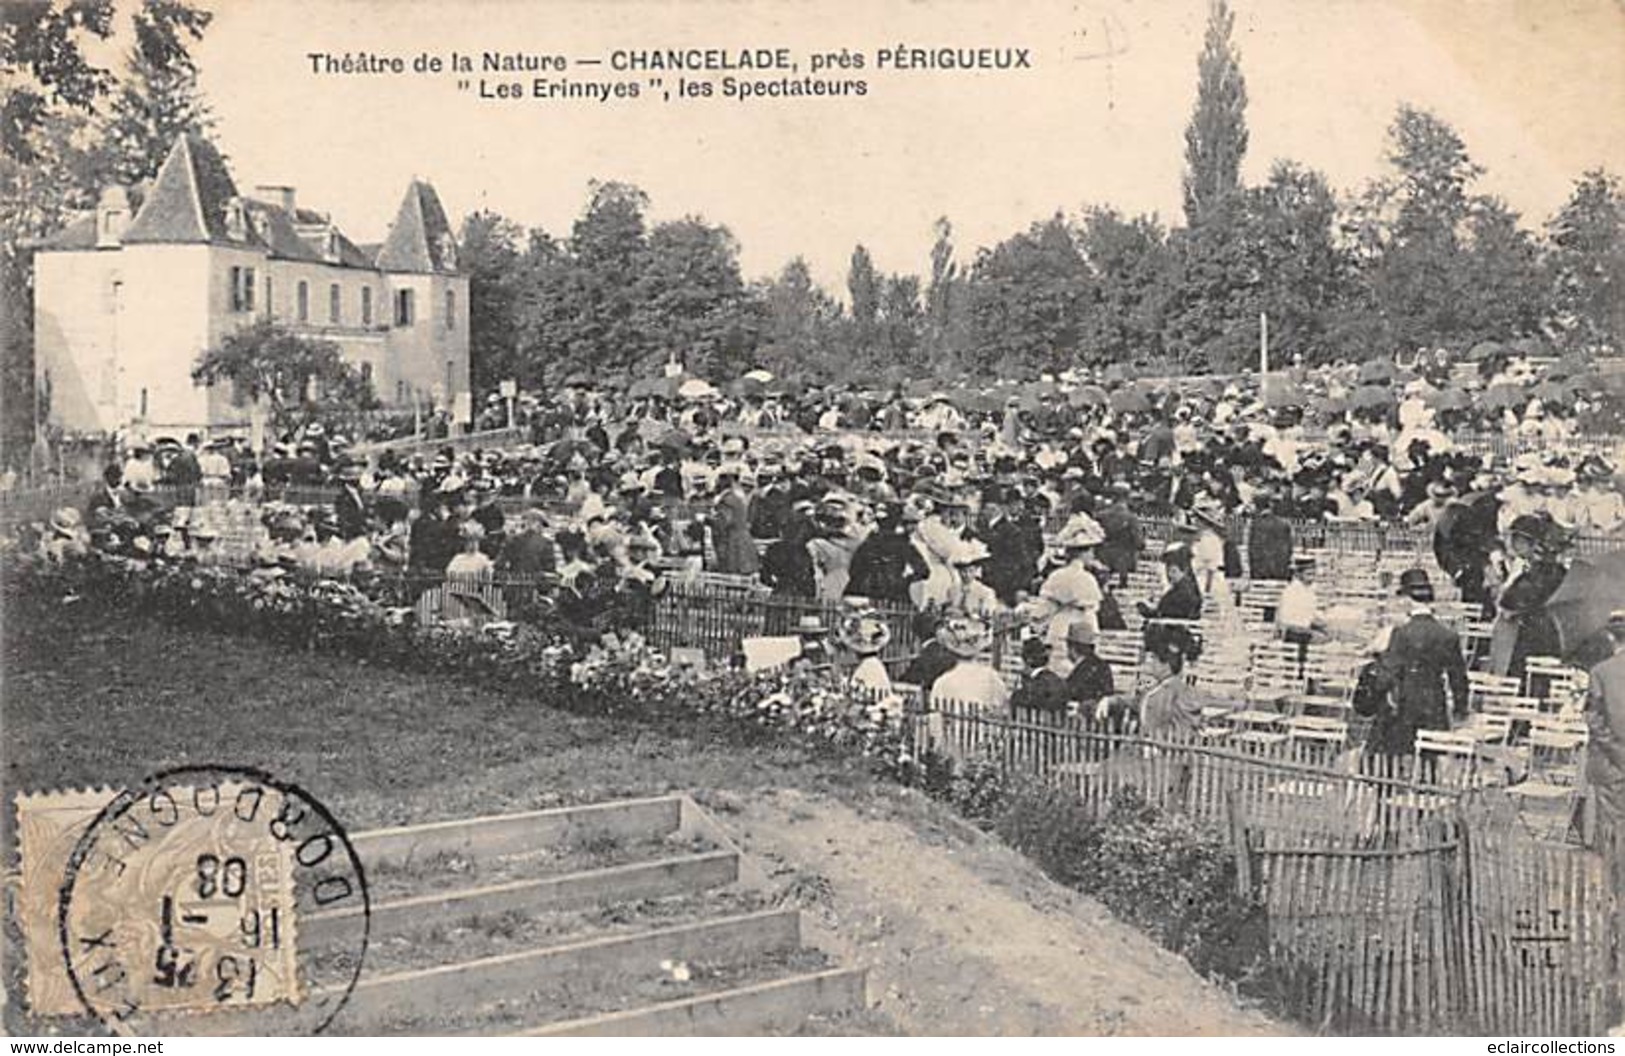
1415	584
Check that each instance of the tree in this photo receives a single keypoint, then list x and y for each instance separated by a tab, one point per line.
693	301
43	41
863	286
1133	276
597	327
1216	137
801	321
299	379
490	255
153	107
1585	266
1412	233
902	321
1030	299
50	166
1291	232
947	332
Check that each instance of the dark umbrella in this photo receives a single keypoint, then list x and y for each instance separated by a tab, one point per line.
1503	395
1594	587
1482	351
1089	396
666	387
1130	400
1368	396
1118	373
1451	399
1570	366
1553	391
747	387
1282	392
1376	371
570	446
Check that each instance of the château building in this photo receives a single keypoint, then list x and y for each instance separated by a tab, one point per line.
124	304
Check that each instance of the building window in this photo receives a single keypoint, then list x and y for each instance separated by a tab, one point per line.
242	289
400	391
366	375
270	303
304	302
143	403
451	309
366	306
335	304
451	378
403	307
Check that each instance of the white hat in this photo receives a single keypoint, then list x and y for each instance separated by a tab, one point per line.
1081	531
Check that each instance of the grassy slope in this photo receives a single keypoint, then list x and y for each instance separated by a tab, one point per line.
89	700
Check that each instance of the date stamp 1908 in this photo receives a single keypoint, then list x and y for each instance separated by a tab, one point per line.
181	896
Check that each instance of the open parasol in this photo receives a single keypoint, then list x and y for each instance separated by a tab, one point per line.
1283	392
1371	396
1594	587
1447	399
1376	371
1504	395
664	387
1130	400
1089	396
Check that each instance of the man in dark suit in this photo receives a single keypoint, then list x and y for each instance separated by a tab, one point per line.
1124	537
1013	555
1605	757
1269	543
349	507
1425	666
1043	691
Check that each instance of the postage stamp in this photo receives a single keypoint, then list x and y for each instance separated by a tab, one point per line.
181	897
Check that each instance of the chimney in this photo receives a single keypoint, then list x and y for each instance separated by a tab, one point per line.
277	195
112	217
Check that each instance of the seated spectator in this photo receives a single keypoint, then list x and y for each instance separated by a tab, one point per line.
1043	690
1183	599
972	680
1090	680
933	660
866	635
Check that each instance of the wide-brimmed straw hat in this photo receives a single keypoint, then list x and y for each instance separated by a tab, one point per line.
1080	533
865	633
965	636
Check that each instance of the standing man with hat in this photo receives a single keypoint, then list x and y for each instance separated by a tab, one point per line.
1424	664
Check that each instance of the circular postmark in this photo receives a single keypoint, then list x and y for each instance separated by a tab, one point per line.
213	899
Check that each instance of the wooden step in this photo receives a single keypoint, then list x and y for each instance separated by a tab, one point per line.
512	834
664	877
779	1005
378	1000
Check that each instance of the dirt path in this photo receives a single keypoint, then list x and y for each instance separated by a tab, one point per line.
962	935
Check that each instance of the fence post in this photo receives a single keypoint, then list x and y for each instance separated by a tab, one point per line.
1239	841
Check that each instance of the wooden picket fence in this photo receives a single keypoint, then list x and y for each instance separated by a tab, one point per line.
1447	927
1395	905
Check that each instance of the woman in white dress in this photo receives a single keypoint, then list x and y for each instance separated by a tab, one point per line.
937	542
1071	594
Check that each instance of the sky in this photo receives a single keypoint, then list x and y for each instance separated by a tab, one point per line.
1535	87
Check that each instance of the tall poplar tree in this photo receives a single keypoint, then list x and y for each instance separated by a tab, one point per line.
1216	138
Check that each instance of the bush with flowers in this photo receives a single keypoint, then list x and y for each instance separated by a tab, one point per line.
616	674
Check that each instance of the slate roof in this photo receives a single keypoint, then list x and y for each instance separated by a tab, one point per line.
80	234
420	239
285	243
188	201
